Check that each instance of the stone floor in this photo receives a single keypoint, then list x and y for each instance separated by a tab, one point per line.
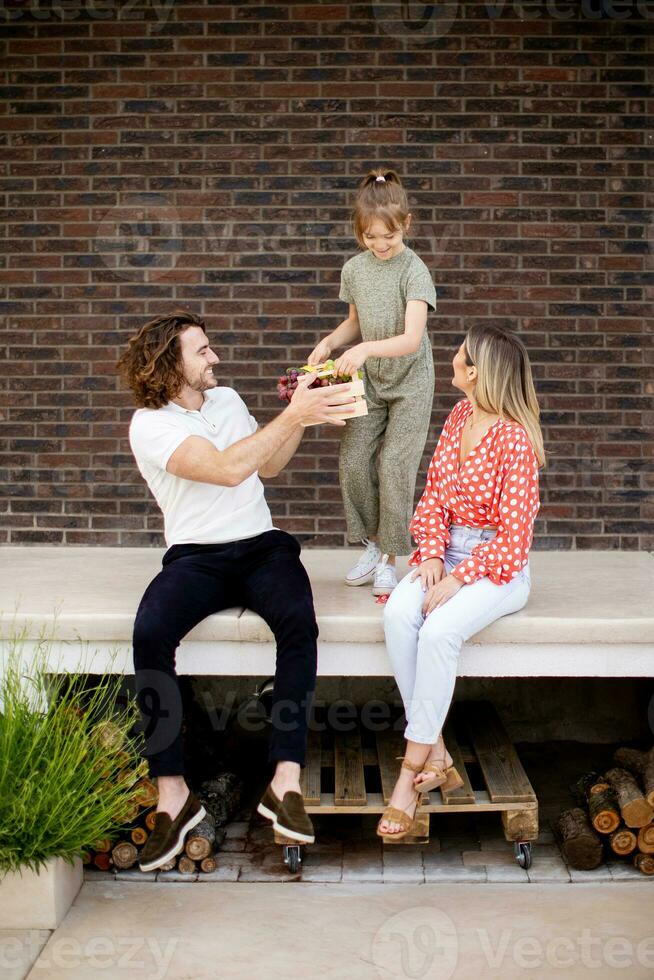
463	848
361	931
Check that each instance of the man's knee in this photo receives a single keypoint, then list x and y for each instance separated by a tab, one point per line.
299	616
149	637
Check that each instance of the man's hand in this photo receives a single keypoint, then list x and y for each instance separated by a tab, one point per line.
314	405
320	353
439	594
430	573
351	360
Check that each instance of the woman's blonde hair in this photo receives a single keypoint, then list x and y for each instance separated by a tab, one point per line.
504	383
384	199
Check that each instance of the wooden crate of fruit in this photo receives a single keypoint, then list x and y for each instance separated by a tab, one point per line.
324	374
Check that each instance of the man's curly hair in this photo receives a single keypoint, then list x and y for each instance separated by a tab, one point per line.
151	365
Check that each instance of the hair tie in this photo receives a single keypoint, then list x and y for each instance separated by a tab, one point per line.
380	178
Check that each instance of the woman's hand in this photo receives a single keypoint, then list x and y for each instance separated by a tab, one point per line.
320	353
351	360
430	572
440	593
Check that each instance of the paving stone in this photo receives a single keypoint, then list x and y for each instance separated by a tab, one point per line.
135	874
236	860
549	851
362	861
625	871
597	874
496	844
476	859
548	869
509	874
448	866
239	828
322	865
97	875
268	867
176	875
402	863
459	843
225	873
236	844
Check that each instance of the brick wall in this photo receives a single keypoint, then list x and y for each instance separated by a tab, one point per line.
204	155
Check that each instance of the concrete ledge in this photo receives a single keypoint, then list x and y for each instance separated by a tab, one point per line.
589	614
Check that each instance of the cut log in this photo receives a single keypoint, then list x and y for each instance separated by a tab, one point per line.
599	787
642	765
646	839
582	787
604	811
149	819
580	843
146	793
168	866
644	863
221	797
200	840
109	735
102	860
623	841
124	854
635	810
128	815
208	864
139	835
103	845
186	865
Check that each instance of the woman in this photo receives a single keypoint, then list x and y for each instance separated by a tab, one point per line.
473	527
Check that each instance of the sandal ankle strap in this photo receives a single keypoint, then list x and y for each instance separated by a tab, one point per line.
413	766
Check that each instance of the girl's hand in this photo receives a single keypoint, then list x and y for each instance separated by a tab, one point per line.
351	360
440	593
320	353
430	572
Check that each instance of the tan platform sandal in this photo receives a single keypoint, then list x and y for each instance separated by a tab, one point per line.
409	825
446	779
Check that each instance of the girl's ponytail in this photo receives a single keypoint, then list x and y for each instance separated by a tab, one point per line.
380	195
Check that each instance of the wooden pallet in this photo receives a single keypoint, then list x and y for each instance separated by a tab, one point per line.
355	771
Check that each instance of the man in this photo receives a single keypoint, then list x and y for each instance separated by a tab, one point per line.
201	453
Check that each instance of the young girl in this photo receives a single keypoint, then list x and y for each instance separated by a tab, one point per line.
390	291
473	527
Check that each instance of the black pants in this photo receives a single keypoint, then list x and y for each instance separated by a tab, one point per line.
264	574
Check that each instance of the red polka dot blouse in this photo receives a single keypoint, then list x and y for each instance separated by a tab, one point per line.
497	484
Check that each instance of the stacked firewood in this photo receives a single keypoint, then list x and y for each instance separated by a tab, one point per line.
614	816
123	852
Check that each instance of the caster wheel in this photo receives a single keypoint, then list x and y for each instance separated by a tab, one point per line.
522	851
293	857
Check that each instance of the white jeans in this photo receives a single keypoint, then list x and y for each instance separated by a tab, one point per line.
424	652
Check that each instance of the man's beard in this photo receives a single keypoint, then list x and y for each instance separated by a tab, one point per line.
203	382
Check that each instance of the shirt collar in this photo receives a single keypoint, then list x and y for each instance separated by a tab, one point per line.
187	411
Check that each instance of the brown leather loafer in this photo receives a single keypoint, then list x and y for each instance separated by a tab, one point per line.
269	805
167	837
292	820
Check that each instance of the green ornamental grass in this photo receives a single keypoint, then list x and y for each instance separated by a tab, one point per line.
68	766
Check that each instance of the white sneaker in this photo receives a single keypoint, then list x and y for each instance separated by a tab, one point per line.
385	578
364	569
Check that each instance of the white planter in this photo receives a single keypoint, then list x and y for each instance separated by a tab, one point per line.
39	901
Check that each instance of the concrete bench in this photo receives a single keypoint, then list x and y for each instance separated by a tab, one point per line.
590	614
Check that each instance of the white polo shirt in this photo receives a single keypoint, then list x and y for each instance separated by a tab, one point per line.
199	513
